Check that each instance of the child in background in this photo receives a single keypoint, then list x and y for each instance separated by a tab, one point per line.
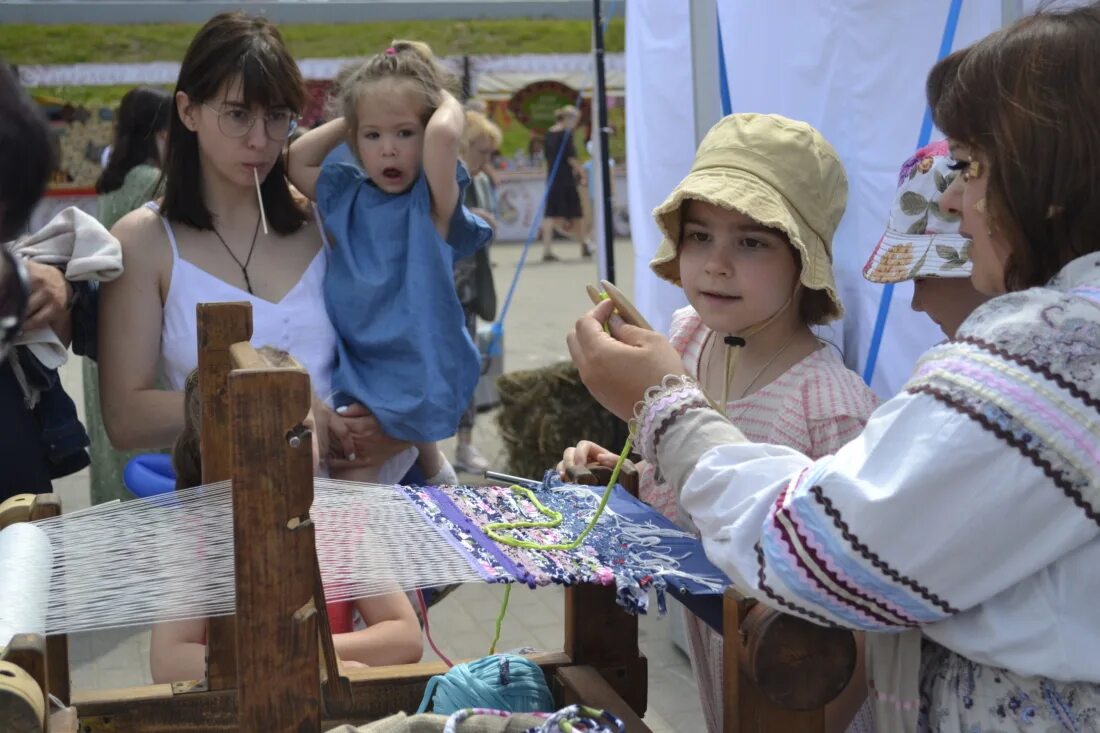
922	242
748	235
398	223
177	649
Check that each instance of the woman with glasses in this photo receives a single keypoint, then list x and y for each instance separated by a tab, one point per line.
209	238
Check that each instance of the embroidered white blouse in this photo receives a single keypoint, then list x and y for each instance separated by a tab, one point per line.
969	506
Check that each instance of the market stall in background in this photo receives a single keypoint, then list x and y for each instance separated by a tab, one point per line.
520	94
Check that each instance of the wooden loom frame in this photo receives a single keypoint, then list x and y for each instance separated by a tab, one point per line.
272	665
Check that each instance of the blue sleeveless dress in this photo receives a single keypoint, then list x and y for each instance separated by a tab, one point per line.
402	348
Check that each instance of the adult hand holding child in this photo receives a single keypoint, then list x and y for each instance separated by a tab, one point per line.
356	439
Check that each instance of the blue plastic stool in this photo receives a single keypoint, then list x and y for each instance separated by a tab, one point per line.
149	474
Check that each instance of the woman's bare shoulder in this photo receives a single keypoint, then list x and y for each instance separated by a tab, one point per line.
144	241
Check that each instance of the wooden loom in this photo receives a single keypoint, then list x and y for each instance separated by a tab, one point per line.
272	666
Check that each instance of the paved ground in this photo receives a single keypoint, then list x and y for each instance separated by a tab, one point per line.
548	300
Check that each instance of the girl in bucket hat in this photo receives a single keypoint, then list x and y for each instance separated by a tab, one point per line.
748	235
922	242
961	528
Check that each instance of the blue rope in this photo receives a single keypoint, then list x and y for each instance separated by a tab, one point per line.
497	329
946	42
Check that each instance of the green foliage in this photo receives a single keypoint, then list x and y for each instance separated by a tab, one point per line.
68	44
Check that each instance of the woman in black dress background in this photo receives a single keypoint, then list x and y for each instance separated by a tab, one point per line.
563	205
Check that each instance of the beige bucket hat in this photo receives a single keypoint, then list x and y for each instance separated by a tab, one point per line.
781	172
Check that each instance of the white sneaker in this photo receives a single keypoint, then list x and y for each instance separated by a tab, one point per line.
468	459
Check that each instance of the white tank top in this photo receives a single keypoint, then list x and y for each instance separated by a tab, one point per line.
297	324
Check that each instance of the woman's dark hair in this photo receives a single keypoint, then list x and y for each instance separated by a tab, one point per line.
142	113
232	47
1027	98
26	155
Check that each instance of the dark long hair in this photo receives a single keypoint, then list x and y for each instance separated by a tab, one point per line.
1027	97
26	155
232	46
142	113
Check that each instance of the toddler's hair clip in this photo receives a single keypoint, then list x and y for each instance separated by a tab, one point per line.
391	51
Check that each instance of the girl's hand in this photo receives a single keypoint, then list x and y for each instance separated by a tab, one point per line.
618	367
585	453
356	439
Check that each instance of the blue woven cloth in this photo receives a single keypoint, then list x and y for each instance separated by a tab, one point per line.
633	547
403	348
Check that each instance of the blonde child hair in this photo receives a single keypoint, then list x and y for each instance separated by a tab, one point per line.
408	61
478	127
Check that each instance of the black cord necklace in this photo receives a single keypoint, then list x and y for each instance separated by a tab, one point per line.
251	249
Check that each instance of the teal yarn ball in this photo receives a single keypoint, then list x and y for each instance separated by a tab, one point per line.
501	682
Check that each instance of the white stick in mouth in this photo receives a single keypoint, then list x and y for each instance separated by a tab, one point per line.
259	197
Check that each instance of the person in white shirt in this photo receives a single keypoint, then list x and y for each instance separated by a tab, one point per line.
961	529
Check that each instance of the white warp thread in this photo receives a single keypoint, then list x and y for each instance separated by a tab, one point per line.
25	563
170	557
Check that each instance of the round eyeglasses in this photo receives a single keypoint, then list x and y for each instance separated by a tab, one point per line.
279	124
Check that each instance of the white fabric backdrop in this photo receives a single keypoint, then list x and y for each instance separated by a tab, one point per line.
660	143
855	69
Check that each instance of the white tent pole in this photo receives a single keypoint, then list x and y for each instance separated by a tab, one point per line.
704	66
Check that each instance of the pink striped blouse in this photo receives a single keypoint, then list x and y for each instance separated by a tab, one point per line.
814	407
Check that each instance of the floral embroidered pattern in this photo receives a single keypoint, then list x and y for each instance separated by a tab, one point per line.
1026	366
1038	428
960	695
